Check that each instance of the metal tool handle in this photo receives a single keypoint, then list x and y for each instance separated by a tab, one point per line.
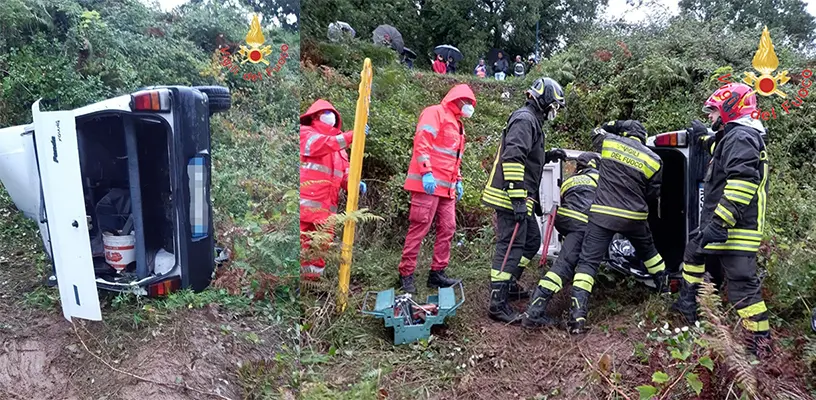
363	308
461	290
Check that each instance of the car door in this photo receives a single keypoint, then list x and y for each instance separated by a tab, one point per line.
549	193
59	172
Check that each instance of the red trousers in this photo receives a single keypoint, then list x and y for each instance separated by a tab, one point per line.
424	209
312	268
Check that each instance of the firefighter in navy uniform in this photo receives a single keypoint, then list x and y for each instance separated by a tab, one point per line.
630	176
512	190
571	220
733	217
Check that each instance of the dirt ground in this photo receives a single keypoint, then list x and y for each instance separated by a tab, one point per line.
196	353
506	361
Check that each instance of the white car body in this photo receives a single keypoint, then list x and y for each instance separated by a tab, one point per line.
53	182
552	175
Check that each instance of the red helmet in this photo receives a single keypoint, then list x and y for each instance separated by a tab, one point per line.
734	100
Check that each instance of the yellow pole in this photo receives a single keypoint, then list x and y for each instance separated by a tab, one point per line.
355	171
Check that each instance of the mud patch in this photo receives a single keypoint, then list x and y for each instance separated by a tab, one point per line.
198	349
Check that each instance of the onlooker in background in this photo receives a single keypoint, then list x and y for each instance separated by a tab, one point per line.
518	68
481	69
451	66
500	67
531	62
439	65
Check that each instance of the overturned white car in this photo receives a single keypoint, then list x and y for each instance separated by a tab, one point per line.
120	191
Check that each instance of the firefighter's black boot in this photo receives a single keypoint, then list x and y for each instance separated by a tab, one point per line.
578	311
407	284
536	314
438	279
686	304
499	309
516	291
661	281
760	345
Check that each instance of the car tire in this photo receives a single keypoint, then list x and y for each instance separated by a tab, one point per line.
219	97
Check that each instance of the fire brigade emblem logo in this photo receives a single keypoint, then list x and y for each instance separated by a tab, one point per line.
765	62
255	39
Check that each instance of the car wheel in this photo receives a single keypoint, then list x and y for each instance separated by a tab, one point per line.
219	97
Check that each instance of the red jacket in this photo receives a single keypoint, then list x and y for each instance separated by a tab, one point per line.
439	143
440	67
324	164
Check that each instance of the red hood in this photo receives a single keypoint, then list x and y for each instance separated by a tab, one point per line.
319	106
458	92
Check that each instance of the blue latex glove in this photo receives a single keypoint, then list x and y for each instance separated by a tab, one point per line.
460	190
429	183
363	187
367	129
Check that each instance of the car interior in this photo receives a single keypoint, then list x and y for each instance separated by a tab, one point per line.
126	184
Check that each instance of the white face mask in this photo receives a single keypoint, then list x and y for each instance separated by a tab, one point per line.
468	110
553	112
328	118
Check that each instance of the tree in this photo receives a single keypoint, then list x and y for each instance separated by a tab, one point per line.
281	9
474	26
787	16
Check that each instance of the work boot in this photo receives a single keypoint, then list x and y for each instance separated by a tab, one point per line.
499	309
661	281
438	279
760	345
578	311
517	292
407	284
536	314
686	304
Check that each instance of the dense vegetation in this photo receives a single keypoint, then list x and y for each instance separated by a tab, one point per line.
659	74
80	52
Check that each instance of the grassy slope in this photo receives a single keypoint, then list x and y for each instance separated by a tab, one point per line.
243	329
352	355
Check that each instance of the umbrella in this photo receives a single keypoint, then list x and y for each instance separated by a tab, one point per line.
388	35
448	51
493	55
408	53
338	28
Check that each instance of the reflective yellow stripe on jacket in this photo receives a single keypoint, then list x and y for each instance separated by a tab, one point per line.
630	157
618	212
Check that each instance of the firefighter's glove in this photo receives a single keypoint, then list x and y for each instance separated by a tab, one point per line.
460	190
363	187
429	183
519	209
697	131
555	155
598	135
713	233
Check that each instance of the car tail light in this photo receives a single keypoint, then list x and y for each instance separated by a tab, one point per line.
164	287
151	100
671	139
199	212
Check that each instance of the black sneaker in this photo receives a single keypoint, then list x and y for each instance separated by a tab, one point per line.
438	279
407	284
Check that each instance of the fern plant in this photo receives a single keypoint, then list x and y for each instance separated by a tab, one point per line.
321	240
723	343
